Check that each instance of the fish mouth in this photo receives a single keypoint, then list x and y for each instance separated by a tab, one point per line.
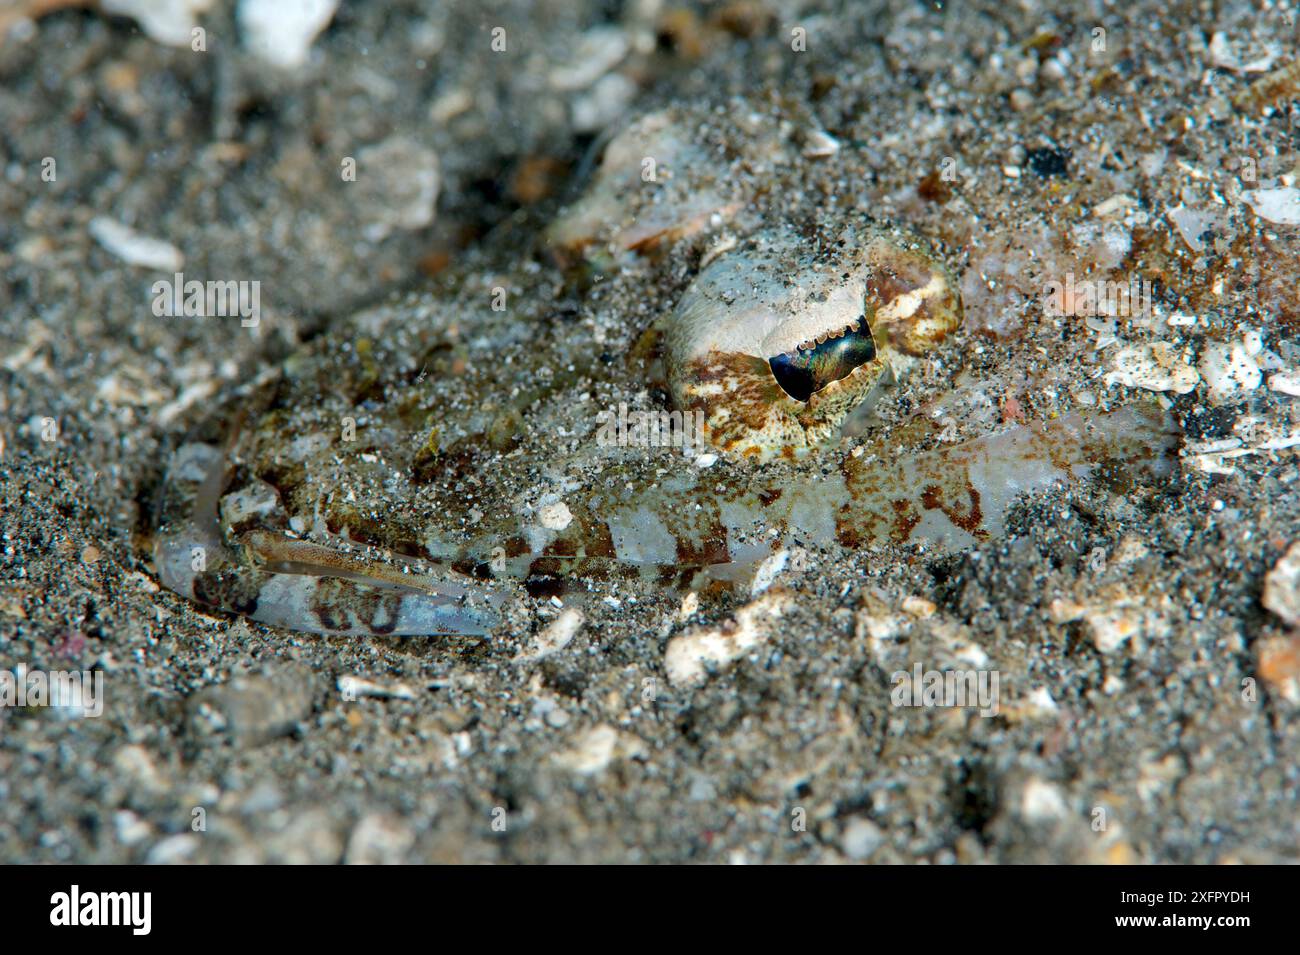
812	366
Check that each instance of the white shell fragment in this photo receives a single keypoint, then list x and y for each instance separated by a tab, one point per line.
1222	55
597	748
355	687
691	656
1228	367
1118	203
557	635
1286	383
1280	206
861	838
555	516
1154	367
1116	617
133	248
818	144
281	32
1041	801
768	570
170	22
1191	225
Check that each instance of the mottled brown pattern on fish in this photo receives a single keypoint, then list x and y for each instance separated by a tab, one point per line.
750	394
710	547
232	588
339	605
847	529
969	520
905	520
516	546
586	537
886	284
919	333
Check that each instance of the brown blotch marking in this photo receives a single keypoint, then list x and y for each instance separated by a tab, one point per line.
933	188
717	589
600	542
480	570
1282	83
770	496
258	522
377	609
665	576
846	529
751	394
589	537
886	283
712	548
384	535
905	520
551	566
328	604
233	590
516	546
449	464
932	497
344	605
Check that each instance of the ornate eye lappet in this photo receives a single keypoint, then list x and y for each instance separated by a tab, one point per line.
777	340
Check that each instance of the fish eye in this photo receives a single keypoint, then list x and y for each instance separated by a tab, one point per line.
806	371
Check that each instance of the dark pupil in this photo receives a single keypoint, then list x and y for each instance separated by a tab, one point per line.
803	372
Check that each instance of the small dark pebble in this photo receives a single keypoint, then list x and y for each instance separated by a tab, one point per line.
1203	424
1047	162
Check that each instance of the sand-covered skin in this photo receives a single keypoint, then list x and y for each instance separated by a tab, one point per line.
1122	620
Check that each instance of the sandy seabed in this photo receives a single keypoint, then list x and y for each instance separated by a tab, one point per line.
1148	672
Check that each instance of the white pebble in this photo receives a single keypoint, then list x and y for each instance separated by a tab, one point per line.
1154	367
555	516
819	144
165	21
1228	367
1282	587
1287	383
1281	206
559	633
768	570
597	748
281	32
861	838
133	248
1041	801
691	656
